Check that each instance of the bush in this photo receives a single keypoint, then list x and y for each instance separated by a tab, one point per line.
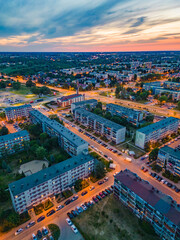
38	209
80	184
48	204
67	193
55	231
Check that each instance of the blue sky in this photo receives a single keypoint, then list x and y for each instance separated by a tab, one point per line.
83	25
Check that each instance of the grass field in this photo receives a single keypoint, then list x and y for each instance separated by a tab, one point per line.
138	152
110	220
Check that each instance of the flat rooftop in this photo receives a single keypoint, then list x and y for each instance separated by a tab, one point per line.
17	107
72	137
158	125
85	102
12	136
171	151
122	108
158	200
99	119
46	174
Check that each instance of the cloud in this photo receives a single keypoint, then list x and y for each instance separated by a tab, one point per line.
139	22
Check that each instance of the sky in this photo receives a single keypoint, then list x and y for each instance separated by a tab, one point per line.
89	25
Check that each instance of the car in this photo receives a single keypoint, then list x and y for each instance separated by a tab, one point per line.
142	168
115	174
75	198
106	179
100	182
70	215
91	202
30	224
51	237
95	199
74	229
67	202
19	231
110	158
145	170
39	234
142	158
79	209
44	231
91	188
98	197
41	218
44	238
119	153
59	207
102	195
87	204
177	190
84	193
74	213
50	213
105	193
105	156
84	207
34	237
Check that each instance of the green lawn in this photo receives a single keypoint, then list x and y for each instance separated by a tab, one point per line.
130	146
110	220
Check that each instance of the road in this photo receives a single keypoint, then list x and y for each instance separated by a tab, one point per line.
95	94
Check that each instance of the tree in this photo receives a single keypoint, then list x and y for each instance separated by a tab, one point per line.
99	105
45	90
163	99
43	166
29	83
2	115
16	85
4	164
99	171
178	106
43	137
3	131
35	129
4	196
40	152
135	77
35	90
150	118
153	154
2	84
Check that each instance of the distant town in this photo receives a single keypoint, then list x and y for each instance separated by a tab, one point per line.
87	139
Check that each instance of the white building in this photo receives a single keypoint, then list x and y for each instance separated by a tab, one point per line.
156	131
33	189
18	112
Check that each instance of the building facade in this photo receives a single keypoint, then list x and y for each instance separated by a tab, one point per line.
13	113
171	158
13	142
102	126
149	204
91	103
66	101
69	141
156	131
31	190
131	115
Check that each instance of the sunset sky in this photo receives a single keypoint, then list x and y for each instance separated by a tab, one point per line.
84	25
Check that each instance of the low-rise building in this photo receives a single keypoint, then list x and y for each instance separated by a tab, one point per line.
89	104
68	140
13	142
131	115
33	189
66	101
102	126
156	131
148	203
13	113
170	158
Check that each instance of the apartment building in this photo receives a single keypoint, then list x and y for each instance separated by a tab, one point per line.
156	131
131	115
109	129
149	204
13	113
66	101
171	158
33	189
69	141
13	142
89	104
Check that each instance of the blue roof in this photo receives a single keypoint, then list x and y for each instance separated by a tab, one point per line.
12	136
17	107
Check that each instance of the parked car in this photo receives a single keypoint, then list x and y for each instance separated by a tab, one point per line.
91	188
30	224
70	215
50	213
106	179
75	198
100	182
67	202
19	231
68	221
39	234
44	231
59	207
34	237
74	229
98	197
41	218
95	199
83	193
84	207
102	195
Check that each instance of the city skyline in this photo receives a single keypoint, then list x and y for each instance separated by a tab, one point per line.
102	25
